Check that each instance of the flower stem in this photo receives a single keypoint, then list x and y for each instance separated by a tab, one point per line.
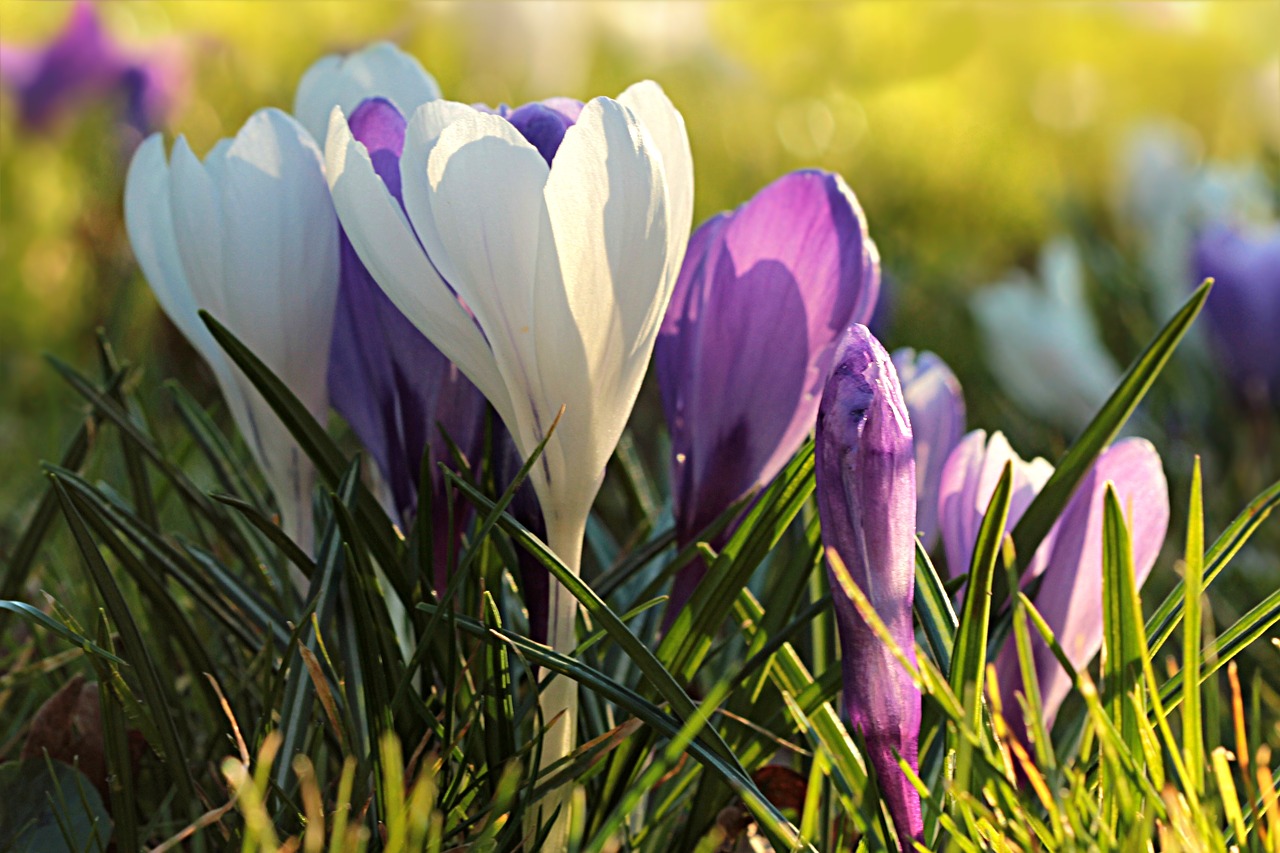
564	535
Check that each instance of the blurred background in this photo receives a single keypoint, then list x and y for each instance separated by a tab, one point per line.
1034	175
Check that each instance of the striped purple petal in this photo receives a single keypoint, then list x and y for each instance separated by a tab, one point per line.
1070	595
747	341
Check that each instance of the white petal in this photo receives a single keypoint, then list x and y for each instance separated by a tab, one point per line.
387	245
380	70
281	264
478	209
149	221
197	227
608	209
664	122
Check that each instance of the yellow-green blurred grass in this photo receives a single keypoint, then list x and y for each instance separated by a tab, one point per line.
962	127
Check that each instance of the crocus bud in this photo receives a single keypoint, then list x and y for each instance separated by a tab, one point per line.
1243	311
788	272
866	489
1069	559
936	405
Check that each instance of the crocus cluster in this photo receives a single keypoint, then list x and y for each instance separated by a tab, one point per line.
84	63
434	255
1068	563
1243	311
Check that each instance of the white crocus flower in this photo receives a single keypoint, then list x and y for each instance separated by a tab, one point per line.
250	236
565	271
380	70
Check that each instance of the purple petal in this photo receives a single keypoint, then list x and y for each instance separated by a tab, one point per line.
1243	311
936	404
968	480
1070	596
747	340
866	487
542	123
399	393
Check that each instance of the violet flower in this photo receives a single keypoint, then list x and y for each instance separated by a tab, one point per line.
399	393
83	63
936	405
788	271
866	489
1069	559
1243	311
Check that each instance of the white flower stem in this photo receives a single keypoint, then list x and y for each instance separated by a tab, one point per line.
564	535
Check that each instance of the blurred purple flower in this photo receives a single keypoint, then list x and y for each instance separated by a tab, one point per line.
1070	557
399	393
83	63
1243	310
748	339
936	405
866	489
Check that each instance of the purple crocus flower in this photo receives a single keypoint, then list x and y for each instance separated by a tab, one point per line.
1069	560
788	272
866	489
82	63
399	393
936	405
1243	311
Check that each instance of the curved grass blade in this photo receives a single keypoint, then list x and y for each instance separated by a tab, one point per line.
159	700
1169	614
969	664
44	620
934	611
320	448
1101	431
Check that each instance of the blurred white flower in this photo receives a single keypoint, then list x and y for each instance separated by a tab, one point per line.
1041	340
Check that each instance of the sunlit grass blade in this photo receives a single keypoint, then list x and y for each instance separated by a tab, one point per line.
1121	662
1101	431
1193	581
934	611
1169	614
969	663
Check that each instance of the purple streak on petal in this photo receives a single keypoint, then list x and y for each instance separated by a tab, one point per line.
399	393
747	340
968	480
936	404
1070	596
1243	311
866	487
